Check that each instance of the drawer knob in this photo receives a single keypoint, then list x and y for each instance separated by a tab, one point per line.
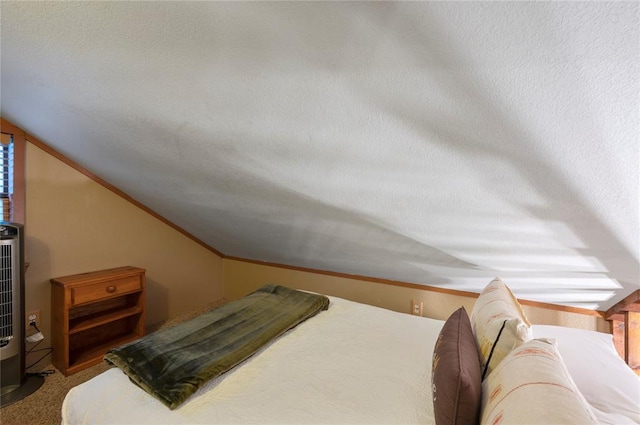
111	289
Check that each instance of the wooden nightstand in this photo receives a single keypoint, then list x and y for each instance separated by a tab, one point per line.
93	312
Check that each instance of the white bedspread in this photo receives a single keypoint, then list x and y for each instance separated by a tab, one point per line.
351	364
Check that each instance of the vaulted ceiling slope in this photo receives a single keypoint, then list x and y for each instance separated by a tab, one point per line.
438	143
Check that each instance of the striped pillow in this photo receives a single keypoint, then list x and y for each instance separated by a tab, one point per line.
532	386
498	323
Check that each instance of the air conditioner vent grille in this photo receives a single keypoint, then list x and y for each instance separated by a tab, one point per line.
6	293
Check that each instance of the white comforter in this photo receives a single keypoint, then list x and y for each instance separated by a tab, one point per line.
351	364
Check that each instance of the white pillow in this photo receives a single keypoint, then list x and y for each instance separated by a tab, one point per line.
496	306
604	379
532	386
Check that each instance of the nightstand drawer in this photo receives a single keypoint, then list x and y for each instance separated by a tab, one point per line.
102	290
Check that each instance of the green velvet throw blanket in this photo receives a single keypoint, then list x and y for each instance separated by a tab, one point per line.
173	363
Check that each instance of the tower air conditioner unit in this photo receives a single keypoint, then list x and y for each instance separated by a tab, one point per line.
14	383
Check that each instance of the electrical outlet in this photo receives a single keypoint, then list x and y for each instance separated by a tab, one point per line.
32	316
416	307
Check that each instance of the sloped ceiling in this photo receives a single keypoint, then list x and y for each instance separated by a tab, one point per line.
434	143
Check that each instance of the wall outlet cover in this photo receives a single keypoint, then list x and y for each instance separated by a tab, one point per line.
32	316
417	307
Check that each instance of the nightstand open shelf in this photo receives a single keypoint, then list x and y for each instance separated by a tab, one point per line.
91	354
94	312
91	321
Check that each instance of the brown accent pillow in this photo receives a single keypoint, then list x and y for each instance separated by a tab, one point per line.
455	379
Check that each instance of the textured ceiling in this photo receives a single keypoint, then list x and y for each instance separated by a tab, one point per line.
435	143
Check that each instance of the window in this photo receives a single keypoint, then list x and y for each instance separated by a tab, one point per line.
6	176
12	153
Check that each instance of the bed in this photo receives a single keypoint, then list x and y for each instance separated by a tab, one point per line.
350	364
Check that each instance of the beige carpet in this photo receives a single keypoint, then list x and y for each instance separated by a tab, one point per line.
43	407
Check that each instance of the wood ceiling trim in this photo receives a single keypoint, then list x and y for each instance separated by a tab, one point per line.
48	149
557	307
36	142
629	303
